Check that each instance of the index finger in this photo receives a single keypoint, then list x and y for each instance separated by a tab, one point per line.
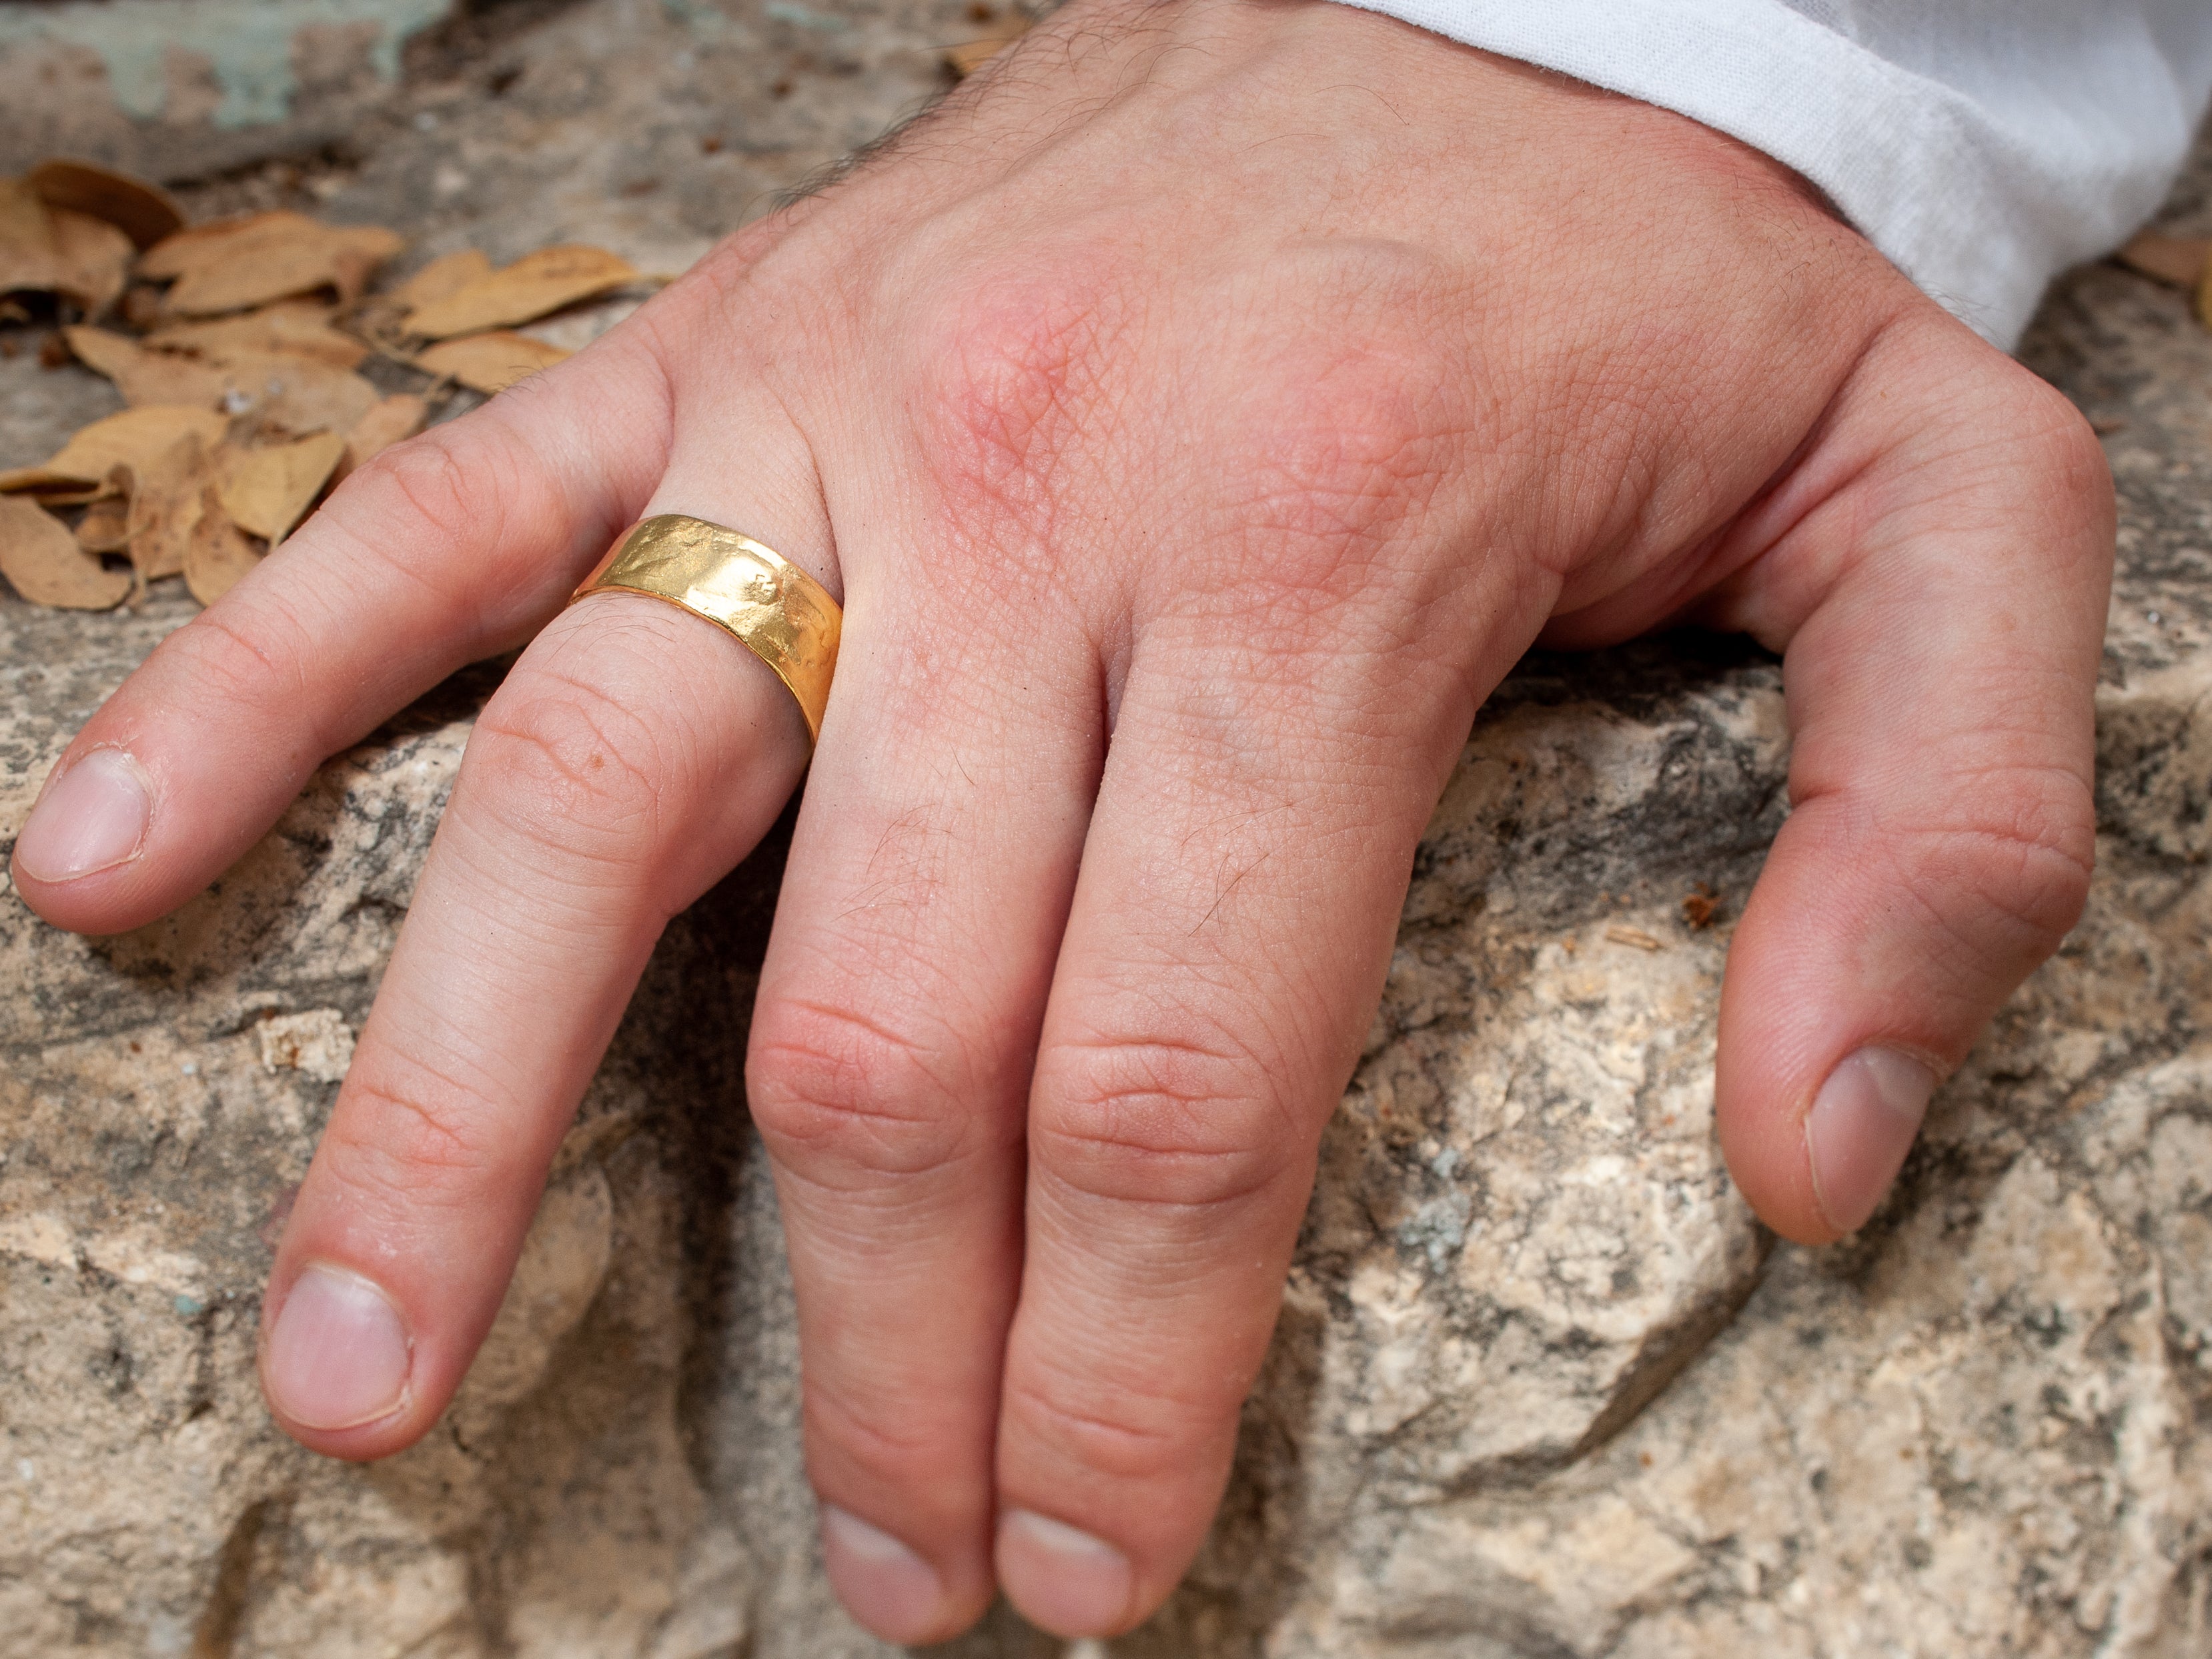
454	546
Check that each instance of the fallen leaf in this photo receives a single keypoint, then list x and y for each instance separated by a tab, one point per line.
296	395
534	285
267	491
443	276
135	439
249	262
143	376
964	59
218	555
2177	261
293	328
490	362
145	212
399	416
198	245
42	561
165	507
51	250
25	226
106	527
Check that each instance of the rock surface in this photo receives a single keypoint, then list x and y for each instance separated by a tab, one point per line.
1541	1386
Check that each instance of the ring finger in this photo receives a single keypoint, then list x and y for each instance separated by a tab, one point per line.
633	755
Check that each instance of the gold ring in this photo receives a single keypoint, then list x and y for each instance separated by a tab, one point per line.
775	609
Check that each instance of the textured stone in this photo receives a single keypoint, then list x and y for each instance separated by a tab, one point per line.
1541	1386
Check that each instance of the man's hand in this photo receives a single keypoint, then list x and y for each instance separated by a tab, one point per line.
1196	415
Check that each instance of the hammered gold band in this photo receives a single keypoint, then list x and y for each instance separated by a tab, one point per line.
779	612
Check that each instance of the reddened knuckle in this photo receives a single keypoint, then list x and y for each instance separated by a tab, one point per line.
1016	364
1160	1121
1343	431
837	1094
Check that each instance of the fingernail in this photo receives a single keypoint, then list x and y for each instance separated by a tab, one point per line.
93	818
338	1354
1860	1128
1066	1580
882	1582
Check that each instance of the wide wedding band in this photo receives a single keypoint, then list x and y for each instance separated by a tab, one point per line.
775	609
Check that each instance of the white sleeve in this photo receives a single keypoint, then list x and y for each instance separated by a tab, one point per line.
1983	145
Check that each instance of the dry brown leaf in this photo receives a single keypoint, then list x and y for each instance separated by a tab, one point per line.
448	274
165	505
490	362
55	251
143	376
143	211
218	555
95	260
2177	261
964	59
267	491
41	559
135	439
295	396
106	527
198	245
530	288
295	328
267	256
25	224
399	416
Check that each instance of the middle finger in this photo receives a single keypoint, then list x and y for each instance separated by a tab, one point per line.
891	1054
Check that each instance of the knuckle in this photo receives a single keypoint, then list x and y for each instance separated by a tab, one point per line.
873	1428
1346	440
441	483
561	763
1164	1123
1143	1434
407	1144
257	659
839	1098
1015	370
2018	437
2023	860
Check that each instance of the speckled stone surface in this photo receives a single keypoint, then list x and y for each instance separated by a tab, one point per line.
1541	1386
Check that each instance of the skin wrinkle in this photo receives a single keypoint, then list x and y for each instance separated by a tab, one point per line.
550	772
809	1095
410	1163
889	1434
219	644
440	1042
